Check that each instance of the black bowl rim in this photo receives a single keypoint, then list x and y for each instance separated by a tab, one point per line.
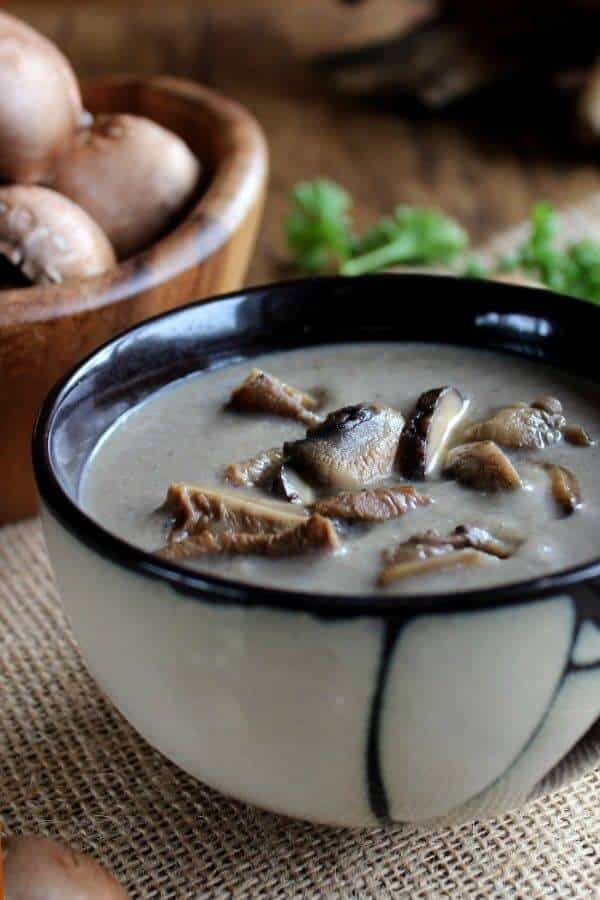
214	590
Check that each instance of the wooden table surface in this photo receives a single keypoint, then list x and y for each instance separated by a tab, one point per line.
487	173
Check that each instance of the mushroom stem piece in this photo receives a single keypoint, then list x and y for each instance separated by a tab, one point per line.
578	436
313	533
518	427
399	571
565	487
194	508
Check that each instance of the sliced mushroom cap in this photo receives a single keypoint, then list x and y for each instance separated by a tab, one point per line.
132	176
428	430
355	445
48	238
258	471
288	485
265	393
193	508
374	505
577	435
518	427
482	465
311	534
40	103
565	487
37	868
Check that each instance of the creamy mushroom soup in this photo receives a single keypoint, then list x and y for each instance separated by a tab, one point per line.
363	468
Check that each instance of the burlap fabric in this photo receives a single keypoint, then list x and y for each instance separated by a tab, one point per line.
71	767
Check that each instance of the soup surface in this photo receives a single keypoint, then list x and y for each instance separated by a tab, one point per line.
185	433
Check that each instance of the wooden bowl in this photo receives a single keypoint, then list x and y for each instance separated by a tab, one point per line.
47	329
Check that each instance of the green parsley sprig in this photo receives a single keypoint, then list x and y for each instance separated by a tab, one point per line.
321	238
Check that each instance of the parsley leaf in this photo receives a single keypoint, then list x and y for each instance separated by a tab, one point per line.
318	227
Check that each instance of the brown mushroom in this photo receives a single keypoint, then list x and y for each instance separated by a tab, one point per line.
355	445
265	393
577	435
565	487
258	471
311	534
482	465
40	103
428	564
193	508
374	505
428	430
132	176
48	238
518	427
37	868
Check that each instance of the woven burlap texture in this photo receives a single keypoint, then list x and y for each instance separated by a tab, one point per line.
71	767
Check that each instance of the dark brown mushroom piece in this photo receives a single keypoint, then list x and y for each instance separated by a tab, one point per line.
310	535
428	430
375	505
288	485
482	465
518	427
258	471
193	508
355	445
565	487
265	393
577	435
548	403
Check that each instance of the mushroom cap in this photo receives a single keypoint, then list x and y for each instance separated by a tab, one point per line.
48	237
37	868
131	175
40	103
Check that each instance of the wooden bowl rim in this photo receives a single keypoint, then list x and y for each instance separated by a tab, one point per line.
237	180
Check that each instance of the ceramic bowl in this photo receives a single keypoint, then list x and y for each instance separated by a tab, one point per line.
45	330
352	710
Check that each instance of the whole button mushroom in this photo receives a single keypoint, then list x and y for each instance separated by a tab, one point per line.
131	175
40	103
48	238
36	868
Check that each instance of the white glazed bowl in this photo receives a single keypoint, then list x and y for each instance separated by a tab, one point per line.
345	710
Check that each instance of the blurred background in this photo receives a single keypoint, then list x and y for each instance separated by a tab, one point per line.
474	107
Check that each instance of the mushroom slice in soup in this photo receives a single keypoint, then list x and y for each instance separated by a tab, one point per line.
311	534
375	505
577	435
565	487
518	427
258	471
355	445
482	465
194	508
428	430
427	564
261	392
